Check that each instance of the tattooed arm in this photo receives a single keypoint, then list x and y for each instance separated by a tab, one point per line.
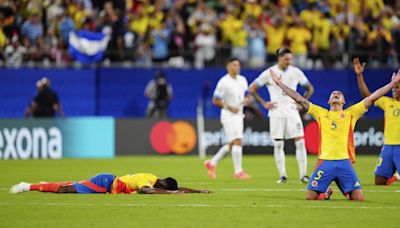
291	93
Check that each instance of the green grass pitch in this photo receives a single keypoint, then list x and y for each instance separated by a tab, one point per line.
258	202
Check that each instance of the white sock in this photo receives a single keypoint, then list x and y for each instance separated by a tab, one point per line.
219	155
237	158
301	156
280	157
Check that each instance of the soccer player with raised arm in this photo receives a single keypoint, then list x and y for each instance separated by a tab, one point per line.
145	183
336	151
230	96
284	118
389	158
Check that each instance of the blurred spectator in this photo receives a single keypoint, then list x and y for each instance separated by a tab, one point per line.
321	39
205	43
32	34
160	39
256	44
65	26
298	37
275	33
239	42
159	92
380	41
14	53
45	103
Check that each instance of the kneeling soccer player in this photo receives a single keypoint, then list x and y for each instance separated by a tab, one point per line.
145	183
336	151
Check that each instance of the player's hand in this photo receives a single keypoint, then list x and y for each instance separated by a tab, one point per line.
246	101
205	191
270	105
277	79
396	77
358	68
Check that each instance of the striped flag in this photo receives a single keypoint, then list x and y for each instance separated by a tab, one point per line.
86	46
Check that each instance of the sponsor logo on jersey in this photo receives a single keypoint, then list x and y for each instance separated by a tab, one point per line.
357	184
314	183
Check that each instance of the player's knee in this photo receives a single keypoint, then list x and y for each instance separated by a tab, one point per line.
380	180
357	195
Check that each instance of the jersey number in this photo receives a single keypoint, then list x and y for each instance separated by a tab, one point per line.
319	175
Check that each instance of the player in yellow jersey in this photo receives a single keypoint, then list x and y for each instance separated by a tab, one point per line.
336	151
145	183
389	158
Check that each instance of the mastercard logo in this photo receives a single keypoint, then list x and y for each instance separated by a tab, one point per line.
178	137
312	137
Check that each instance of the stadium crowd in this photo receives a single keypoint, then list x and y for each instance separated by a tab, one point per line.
325	33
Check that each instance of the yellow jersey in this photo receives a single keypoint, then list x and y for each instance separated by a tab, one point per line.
298	38
132	183
336	131
391	108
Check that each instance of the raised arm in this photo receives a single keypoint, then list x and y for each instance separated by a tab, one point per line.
362	86
288	91
368	101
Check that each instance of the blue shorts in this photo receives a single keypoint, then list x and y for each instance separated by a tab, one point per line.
101	183
388	161
340	171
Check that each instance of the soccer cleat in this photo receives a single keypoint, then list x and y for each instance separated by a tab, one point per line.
305	179
21	187
211	169
242	175
328	193
391	180
282	180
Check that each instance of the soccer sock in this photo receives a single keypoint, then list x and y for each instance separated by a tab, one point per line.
322	196
47	187
279	155
219	155
237	158
301	156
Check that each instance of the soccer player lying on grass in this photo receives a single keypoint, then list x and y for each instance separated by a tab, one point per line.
336	152
145	183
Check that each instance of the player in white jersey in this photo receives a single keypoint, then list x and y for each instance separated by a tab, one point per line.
230	96
284	118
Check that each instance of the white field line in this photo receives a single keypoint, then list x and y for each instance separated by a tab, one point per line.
271	190
196	205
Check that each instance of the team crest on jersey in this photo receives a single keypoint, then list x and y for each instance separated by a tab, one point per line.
342	115
314	183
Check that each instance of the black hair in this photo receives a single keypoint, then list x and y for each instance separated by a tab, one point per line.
172	184
282	51
231	60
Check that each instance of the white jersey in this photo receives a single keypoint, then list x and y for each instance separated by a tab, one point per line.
232	92
291	77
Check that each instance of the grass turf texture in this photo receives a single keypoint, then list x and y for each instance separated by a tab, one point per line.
258	202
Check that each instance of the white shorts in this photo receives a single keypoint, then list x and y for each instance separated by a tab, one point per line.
286	127
233	128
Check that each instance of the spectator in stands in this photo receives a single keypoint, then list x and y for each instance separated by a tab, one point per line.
45	103
275	33
256	44
239	42
160	37
380	42
32	34
299	37
159	92
14	53
321	39
205	43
